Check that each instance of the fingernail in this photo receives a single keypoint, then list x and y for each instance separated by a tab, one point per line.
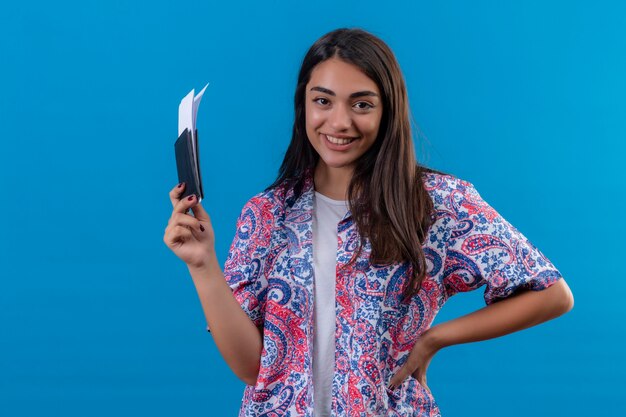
180	185
190	197
201	228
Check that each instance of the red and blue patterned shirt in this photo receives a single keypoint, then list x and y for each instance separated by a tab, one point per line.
270	270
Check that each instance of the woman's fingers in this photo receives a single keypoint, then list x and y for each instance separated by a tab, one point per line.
415	365
185	204
191	202
178	234
187	221
200	213
182	227
410	366
419	374
399	377
176	192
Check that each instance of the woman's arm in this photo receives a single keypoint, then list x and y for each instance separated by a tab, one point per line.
192	239
517	312
237	338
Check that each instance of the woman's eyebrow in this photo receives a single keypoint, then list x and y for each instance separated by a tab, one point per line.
353	95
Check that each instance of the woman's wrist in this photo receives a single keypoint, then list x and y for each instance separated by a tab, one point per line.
433	339
204	266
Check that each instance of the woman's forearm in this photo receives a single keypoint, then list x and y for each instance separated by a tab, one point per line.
518	312
237	338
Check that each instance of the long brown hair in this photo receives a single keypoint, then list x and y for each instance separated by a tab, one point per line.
387	197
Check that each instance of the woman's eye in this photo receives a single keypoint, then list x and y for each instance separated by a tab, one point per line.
321	100
363	105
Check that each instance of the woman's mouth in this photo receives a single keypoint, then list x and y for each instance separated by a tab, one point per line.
339	143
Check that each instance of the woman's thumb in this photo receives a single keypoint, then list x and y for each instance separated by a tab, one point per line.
200	213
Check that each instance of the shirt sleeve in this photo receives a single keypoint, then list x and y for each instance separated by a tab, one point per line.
485	249
244	269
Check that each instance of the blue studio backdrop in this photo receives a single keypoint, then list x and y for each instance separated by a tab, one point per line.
524	99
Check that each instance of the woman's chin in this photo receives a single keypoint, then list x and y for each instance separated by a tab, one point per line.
334	163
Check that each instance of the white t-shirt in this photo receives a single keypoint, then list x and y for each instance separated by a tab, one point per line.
327	214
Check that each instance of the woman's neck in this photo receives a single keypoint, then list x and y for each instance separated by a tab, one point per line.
332	182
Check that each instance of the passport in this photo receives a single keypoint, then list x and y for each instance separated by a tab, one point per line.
186	146
188	164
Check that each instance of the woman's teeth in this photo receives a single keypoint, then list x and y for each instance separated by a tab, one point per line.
338	141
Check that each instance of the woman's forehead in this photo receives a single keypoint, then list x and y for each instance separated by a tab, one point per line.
341	78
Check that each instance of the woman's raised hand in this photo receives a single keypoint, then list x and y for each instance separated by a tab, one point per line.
190	237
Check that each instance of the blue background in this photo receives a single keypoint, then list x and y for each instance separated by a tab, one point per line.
99	317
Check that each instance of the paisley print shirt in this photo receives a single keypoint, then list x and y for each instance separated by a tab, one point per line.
270	270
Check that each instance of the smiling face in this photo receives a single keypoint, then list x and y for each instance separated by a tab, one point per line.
343	109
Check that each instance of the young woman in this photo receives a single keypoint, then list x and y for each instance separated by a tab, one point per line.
338	269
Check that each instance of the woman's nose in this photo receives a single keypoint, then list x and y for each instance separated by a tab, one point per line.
340	118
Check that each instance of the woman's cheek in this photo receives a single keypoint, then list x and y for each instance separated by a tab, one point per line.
371	126
314	118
